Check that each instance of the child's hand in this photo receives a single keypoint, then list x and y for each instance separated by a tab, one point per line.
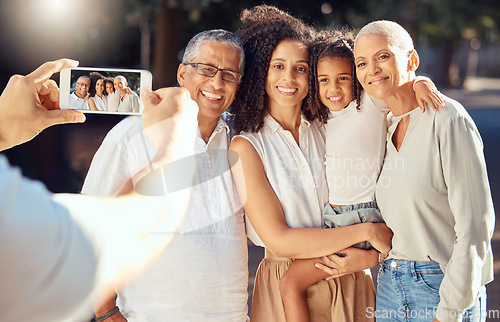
353	260
427	93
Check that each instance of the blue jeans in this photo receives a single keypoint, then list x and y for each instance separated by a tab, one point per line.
409	291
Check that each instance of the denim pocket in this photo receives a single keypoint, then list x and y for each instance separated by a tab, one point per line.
430	281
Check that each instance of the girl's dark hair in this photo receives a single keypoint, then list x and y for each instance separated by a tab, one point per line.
264	27
330	43
94	76
106	81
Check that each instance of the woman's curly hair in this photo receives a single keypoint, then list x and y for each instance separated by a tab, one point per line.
330	43
264	27
94	77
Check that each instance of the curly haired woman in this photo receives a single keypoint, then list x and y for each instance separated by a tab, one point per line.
280	175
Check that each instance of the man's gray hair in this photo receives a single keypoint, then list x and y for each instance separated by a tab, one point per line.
396	35
84	77
219	35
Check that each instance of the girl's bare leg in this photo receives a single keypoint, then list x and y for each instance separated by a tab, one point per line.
293	287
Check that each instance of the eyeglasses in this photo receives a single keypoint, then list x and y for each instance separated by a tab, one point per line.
210	71
83	84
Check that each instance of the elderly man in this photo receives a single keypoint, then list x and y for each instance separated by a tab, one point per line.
79	99
203	274
129	101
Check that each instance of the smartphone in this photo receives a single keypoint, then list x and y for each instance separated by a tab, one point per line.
103	90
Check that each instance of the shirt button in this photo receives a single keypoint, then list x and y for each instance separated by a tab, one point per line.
394	264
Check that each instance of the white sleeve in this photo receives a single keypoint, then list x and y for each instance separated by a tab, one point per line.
469	196
60	251
135	104
48	263
123	152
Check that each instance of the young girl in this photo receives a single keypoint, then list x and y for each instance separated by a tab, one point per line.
113	96
355	145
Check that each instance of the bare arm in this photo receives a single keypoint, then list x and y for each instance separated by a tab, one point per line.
107	306
427	93
266	215
354	260
92	105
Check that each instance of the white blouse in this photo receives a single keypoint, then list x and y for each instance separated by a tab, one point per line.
434	195
295	172
355	148
100	103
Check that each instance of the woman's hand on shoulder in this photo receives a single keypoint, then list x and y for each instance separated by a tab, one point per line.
426	92
348	261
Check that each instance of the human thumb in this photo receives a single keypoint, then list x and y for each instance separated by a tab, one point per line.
149	98
53	117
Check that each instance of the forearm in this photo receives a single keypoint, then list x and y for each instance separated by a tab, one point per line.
467	269
315	242
459	290
106	305
472	208
265	212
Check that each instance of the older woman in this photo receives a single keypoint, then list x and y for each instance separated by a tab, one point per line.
433	191
282	178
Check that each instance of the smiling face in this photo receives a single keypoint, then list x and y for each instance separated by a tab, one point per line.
381	68
287	81
99	87
335	82
82	87
212	94
119	83
109	88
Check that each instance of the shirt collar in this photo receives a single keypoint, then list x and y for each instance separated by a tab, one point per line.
79	98
219	128
221	125
274	126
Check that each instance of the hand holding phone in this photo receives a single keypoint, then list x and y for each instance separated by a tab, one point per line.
103	90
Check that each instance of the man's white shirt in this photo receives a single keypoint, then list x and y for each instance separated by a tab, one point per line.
203	274
78	103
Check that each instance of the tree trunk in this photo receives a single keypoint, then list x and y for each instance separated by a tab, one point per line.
441	65
166	45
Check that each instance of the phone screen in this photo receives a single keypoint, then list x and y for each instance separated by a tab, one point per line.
110	91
